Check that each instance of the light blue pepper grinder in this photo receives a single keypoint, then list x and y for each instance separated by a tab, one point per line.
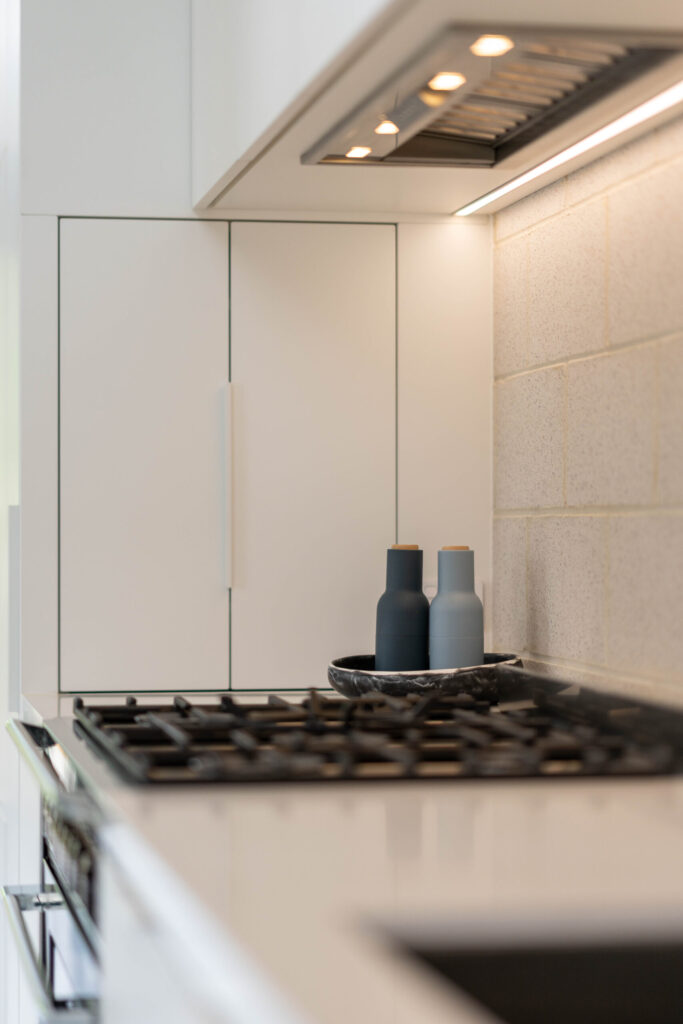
456	615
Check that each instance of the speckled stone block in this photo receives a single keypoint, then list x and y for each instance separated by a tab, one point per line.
669	139
614	168
604	257
509	584
646	594
510	306
611	429
646	256
671	421
567	293
566	580
534	208
529	440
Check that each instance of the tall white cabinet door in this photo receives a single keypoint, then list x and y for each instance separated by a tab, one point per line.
445	369
143	366
313	368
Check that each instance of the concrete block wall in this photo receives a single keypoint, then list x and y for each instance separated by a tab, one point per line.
588	417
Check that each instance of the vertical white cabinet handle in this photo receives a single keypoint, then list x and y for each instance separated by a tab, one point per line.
226	394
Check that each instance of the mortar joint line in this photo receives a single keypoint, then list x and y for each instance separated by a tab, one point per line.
657	426
594	511
527	578
584	357
565	430
606	590
527	300
608	249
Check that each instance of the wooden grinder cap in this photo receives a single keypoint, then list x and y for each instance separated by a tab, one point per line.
405	547
456	547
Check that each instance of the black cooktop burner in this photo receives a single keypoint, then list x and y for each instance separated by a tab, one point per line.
552	731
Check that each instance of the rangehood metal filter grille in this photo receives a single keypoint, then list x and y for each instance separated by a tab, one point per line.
545	85
521	91
507	101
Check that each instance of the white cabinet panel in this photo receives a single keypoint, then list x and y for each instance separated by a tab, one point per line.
143	359
39	456
444	391
313	371
105	107
251	60
139	986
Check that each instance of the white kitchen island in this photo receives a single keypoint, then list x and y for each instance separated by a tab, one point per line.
296	890
297	902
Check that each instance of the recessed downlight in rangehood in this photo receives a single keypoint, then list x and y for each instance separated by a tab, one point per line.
473	99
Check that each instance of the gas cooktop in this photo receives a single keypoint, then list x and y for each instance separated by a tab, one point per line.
530	727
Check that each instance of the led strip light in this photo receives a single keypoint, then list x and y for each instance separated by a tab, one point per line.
663	101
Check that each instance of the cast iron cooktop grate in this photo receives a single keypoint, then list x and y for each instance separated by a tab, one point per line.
376	737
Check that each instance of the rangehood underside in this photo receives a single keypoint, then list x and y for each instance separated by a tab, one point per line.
570	74
494	107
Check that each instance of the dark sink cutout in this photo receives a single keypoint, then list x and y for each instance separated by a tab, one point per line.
608	984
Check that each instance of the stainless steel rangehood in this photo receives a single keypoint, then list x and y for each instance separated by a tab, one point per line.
472	98
449	109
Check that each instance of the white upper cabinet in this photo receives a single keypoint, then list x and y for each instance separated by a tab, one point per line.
313	353
143	366
277	86
250	60
105	107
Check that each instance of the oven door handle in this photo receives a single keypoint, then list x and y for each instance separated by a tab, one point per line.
73	807
18	899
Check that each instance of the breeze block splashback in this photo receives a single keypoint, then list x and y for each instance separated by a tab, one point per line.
588	416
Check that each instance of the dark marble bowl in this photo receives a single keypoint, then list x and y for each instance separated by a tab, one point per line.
356	675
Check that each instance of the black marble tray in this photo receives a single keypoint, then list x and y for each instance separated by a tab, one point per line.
356	675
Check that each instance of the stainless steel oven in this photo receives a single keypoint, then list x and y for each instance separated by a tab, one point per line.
54	921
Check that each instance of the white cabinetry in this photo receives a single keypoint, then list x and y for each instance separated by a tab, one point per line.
140	985
143	468
313	349
165	960
444	392
315	352
39	633
250	60
143	361
105	107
